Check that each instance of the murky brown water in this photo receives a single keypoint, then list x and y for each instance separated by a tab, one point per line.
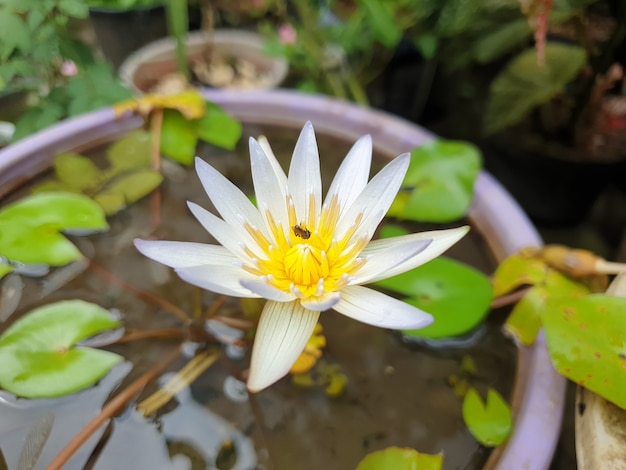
397	394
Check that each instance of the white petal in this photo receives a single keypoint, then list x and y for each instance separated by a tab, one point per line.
352	176
441	241
232	204
221	279
278	170
231	238
269	187
375	199
304	173
375	308
388	258
184	254
283	331
267	291
321	303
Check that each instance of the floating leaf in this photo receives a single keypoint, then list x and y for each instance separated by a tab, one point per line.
179	137
586	339
457	296
398	458
131	152
128	189
311	353
29	228
439	183
76	172
491	422
518	270
219	128
525	320
392	230
525	84
38	355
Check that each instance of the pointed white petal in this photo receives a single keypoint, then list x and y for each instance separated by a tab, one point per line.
269	187
304	173
375	199
184	254
441	241
283	331
323	302
221	279
391	256
352	176
232	204
278	170
378	309
266	291
232	239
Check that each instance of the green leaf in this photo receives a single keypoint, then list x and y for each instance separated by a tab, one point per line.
518	270
179	137
382	22
503	39
586	339
128	189
456	16
457	296
14	34
525	320
38	353
5	269
219	128
76	171
439	183
392	230
427	44
524	84
398	458
131	152
37	118
74	8
29	228
491	422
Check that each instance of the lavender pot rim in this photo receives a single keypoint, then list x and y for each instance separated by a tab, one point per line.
539	395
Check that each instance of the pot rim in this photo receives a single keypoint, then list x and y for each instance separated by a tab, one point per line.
539	395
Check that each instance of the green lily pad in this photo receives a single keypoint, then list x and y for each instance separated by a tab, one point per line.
127	189
179	137
392	230
131	152
219	128
517	271
39	355
439	184
5	269
457	296
525	320
76	172
491	422
524	84
398	458
586	339
30	228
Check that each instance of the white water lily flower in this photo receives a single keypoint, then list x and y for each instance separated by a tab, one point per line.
303	255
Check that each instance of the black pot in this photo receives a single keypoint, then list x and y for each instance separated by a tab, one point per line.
554	192
121	32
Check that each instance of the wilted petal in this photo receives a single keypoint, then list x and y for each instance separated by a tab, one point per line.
283	331
304	173
378	309
375	199
221	279
386	259
321	303
352	176
263	289
184	254
441	241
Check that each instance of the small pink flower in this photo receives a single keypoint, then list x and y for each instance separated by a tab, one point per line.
287	34
68	68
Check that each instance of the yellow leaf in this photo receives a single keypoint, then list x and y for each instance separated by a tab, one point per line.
189	103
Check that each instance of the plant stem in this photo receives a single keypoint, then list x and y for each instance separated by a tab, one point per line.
177	23
156	123
215	306
358	94
163	333
109	410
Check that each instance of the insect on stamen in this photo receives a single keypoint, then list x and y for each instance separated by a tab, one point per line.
301	231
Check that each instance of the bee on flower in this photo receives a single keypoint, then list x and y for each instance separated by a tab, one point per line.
302	253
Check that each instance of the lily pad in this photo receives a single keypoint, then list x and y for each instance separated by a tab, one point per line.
38	353
438	186
457	296
30	228
127	189
586	339
131	152
491	422
398	458
179	137
76	172
516	271
219	128
5	269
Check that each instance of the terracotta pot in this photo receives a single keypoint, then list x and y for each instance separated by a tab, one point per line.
142	70
538	397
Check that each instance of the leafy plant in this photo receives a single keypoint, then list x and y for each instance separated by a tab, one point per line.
490	422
